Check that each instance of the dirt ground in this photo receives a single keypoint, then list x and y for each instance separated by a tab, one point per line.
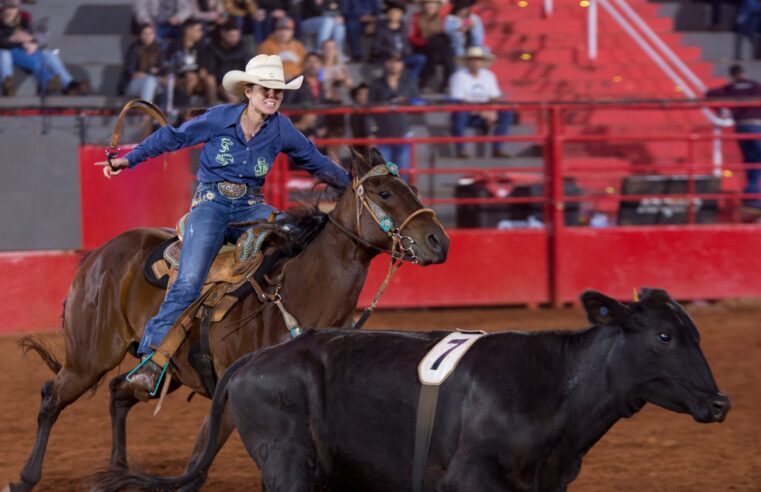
656	450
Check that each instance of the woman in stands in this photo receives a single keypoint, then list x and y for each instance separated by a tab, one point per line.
17	37
240	145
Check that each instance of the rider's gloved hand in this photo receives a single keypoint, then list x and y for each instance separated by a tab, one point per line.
114	167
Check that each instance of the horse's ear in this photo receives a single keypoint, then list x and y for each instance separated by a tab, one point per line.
376	158
360	161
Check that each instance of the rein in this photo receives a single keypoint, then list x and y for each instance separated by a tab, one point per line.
402	248
146	107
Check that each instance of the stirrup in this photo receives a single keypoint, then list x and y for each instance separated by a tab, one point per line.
155	389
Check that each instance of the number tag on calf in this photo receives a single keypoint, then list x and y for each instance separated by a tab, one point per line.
442	359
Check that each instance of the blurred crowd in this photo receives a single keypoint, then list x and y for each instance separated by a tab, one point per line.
351	53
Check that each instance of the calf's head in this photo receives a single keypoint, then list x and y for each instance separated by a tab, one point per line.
657	358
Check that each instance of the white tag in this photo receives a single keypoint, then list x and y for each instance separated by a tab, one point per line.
442	359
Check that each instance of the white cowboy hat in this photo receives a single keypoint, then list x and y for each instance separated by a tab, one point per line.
264	70
476	52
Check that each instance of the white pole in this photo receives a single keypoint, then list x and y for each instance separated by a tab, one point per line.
547	8
718	158
592	30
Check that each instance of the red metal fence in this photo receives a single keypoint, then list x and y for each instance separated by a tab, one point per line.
551	262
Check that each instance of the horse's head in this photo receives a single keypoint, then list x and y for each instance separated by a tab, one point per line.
382	211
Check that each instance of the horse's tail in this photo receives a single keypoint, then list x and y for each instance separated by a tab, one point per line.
115	479
28	343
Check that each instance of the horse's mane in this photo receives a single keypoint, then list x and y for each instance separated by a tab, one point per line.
303	226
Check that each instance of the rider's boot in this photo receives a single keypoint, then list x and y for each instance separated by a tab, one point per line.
146	378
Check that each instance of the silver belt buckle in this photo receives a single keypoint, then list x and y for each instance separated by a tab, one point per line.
232	190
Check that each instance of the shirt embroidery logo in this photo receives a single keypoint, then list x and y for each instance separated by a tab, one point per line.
261	167
223	157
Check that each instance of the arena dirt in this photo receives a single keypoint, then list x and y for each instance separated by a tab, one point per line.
654	451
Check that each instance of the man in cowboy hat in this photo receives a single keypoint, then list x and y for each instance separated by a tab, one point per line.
240	145
477	84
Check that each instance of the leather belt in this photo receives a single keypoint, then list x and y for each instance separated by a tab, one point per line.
234	191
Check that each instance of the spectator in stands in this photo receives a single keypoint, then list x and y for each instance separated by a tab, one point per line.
360	123
428	38
747	120
166	15
211	13
144	65
321	19
394	87
224	52
268	13
7	86
335	74
391	36
184	62
16	36
312	90
360	17
244	13
463	27
288	48
477	84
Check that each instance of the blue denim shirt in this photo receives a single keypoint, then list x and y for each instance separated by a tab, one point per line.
227	156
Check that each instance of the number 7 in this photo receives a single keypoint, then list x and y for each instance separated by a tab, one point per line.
456	342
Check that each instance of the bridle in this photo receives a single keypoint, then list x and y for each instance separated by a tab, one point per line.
402	246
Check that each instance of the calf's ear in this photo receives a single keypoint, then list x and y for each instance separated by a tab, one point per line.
603	310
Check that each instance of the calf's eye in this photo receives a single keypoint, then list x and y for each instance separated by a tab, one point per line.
664	337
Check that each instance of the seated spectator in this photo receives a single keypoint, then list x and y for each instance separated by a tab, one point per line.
7	86
360	17
477	84
144	66
393	87
17	37
463	27
166	15
335	74
243	13
184	62
268	13
322	19
360	123
210	12
428	38
283	44
223	53
311	92
391	36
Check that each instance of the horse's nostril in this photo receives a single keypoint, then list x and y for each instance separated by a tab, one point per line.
434	243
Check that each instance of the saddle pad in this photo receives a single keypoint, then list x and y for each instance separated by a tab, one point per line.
442	359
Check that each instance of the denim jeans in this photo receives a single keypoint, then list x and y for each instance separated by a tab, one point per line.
396	153
6	64
751	150
324	28
144	88
44	64
463	119
205	232
415	63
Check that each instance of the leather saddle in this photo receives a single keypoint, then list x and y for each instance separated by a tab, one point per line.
232	268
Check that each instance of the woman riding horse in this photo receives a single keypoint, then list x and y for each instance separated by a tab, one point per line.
240	145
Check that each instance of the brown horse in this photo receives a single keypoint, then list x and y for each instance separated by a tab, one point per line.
110	301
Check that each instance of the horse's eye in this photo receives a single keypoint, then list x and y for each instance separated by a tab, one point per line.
385	195
664	337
